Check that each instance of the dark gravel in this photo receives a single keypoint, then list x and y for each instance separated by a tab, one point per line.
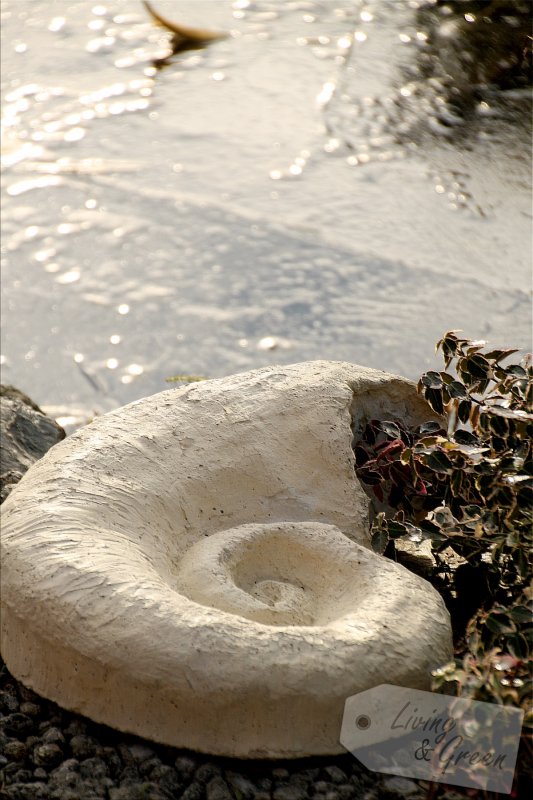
47	753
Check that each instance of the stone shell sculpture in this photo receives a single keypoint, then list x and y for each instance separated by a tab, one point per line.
195	567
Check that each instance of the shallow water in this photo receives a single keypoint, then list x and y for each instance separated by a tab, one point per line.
288	193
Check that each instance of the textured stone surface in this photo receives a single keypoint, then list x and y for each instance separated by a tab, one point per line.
250	647
26	434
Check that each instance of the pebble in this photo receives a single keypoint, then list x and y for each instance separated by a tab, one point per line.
194	792
17	724
141	752
289	793
15	750
206	772
403	787
27	791
185	766
47	755
335	774
53	736
242	788
217	789
83	746
31	709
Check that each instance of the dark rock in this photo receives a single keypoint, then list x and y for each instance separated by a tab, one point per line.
9	703
113	760
242	788
83	746
402	788
206	772
53	736
31	709
17	724
29	696
218	789
19	776
264	784
32	741
167	778
40	774
335	774
130	774
196	791
280	774
346	791
94	768
141	752
185	767
15	750
12	393
47	755
141	791
69	765
76	727
147	766
27	791
290	793
305	775
26	435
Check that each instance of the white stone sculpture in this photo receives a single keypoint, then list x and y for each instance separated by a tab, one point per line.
195	567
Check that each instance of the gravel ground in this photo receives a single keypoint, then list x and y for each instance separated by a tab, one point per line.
47	753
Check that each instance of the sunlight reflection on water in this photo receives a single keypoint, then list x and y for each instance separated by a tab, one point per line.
264	200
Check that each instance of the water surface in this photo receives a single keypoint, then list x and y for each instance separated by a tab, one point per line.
292	192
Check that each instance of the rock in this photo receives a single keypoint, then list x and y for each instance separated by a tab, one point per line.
15	750
217	789
185	767
403	788
26	434
47	755
242	787
258	543
195	791
17	724
31	709
83	746
27	791
289	793
335	774
207	772
53	736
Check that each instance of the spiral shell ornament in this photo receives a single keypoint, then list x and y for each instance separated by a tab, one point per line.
195	567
